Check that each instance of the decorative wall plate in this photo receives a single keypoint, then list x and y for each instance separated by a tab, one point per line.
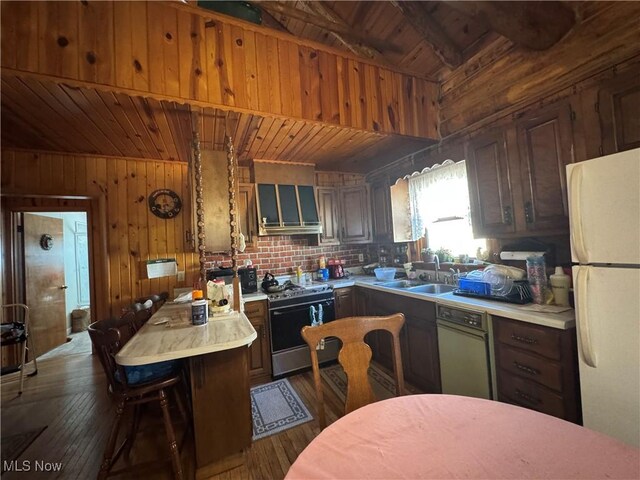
165	203
46	242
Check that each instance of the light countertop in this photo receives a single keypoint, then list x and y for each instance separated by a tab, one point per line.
178	338
562	321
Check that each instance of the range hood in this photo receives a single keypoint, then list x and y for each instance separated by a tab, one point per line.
287	209
286	199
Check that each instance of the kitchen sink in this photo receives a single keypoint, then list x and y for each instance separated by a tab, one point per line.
435	288
401	284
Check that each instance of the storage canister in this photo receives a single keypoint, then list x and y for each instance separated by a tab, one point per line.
560	283
199	309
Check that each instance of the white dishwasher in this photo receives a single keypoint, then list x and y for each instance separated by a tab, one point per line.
464	350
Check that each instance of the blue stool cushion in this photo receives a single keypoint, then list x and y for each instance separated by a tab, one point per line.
139	374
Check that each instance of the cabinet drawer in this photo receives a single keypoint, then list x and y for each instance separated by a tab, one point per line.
529	394
530	367
541	340
255	310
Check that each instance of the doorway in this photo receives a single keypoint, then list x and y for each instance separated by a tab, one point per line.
76	227
68	306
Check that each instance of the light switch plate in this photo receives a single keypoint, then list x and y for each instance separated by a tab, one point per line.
181	276
361	257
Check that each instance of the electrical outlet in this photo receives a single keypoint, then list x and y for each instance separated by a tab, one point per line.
181	276
361	257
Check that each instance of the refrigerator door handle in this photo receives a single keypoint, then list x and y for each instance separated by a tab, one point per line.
584	332
577	237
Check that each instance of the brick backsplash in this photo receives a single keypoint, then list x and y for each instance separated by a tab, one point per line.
281	254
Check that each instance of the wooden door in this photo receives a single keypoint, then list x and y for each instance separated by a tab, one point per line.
344	302
381	214
421	364
355	218
490	195
259	352
247	215
328	213
619	106
44	281
545	142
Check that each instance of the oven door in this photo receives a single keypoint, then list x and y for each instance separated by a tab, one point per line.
287	323
289	352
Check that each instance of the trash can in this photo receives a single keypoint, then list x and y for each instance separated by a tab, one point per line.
80	319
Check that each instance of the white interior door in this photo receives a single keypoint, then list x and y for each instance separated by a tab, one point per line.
604	206
608	328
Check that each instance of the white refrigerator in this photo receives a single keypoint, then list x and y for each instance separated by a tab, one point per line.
604	212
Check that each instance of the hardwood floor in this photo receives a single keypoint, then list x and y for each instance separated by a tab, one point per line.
69	397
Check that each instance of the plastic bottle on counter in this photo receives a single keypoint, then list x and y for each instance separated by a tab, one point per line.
560	283
199	308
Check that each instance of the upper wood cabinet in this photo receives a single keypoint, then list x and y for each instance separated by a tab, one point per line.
328	213
355	217
345	214
517	178
545	142
247	215
489	185
381	212
619	107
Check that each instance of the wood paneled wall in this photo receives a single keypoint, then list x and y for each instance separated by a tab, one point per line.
187	54
134	234
504	78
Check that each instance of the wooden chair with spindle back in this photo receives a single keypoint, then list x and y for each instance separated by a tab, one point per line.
108	337
355	357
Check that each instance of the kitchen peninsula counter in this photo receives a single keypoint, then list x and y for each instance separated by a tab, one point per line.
217	357
169	335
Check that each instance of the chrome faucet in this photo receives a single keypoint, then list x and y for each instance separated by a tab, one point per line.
437	260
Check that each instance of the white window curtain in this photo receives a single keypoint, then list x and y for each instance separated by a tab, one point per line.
439	198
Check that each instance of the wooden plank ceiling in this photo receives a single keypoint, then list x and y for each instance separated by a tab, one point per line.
429	38
43	115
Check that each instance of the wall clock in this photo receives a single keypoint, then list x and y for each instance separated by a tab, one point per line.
165	203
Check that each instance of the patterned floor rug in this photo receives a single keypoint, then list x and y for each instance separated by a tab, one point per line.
14	445
382	384
276	407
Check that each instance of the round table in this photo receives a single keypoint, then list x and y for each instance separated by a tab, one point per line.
448	436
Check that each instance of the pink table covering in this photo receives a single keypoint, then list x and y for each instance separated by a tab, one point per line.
447	436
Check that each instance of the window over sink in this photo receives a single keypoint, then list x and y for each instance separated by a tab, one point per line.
439	202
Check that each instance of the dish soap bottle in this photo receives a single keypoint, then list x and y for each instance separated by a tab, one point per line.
560	283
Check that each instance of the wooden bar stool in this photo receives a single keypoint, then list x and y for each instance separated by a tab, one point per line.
107	338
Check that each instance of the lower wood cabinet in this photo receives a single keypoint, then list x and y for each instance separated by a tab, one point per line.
418	338
537	368
259	352
344	299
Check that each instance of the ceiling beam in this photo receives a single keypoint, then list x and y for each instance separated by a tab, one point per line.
535	25
344	31
327	13
418	16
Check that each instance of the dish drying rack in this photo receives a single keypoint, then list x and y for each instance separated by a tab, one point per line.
519	291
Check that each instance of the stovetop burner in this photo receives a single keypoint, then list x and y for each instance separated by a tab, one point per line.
298	291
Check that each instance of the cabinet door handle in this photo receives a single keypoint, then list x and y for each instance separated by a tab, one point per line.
528	212
343	235
264	331
528	398
524	339
526	369
506	212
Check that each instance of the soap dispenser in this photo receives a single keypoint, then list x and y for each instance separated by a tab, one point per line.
560	283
